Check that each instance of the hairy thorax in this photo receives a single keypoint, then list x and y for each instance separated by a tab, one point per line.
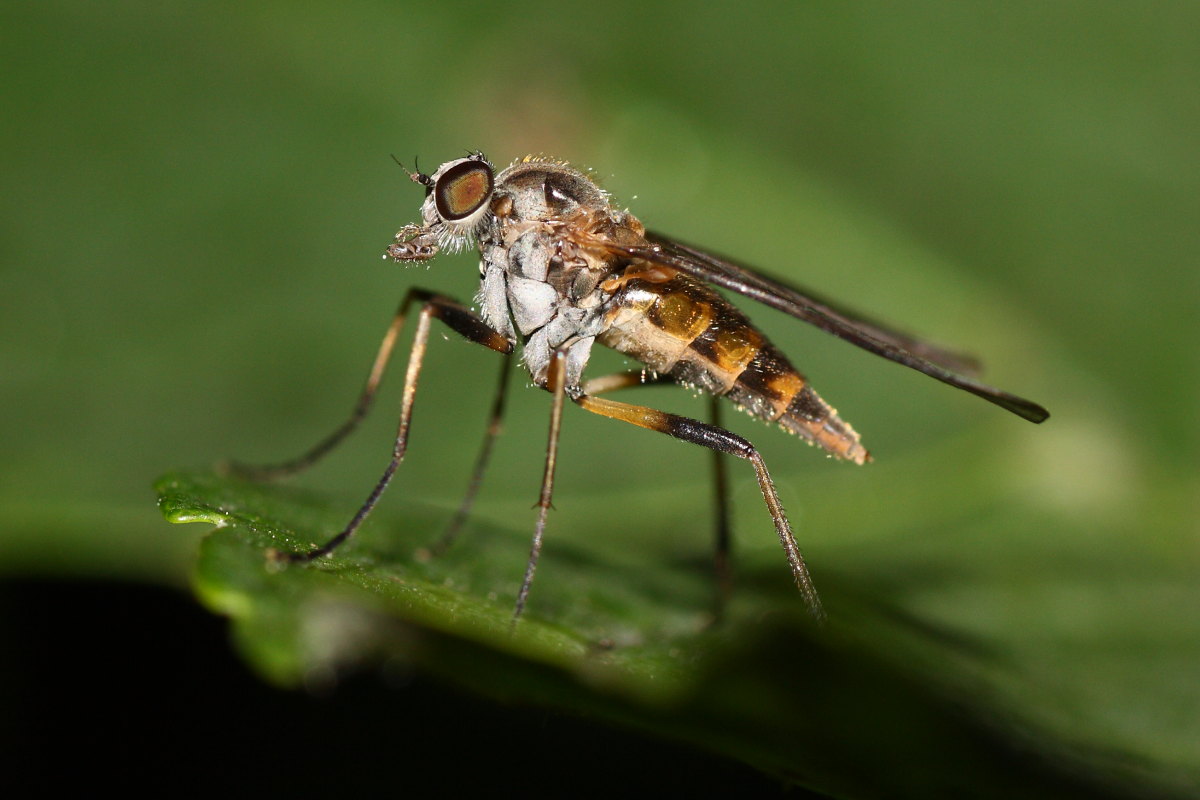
542	265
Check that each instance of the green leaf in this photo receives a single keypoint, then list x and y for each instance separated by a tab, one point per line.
879	703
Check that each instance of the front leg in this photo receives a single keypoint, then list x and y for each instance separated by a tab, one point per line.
464	322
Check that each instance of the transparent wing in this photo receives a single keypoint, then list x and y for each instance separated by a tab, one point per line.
936	362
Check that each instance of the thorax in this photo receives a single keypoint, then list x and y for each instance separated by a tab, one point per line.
543	263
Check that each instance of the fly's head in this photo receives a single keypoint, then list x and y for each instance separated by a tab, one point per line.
465	198
458	198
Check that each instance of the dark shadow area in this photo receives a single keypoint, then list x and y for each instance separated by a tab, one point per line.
127	687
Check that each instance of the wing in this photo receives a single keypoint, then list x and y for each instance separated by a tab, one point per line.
872	336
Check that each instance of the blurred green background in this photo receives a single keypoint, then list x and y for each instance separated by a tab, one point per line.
196	197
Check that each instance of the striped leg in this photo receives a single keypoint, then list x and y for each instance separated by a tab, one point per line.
462	321
718	440
722	505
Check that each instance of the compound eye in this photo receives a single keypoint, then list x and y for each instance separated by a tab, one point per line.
463	190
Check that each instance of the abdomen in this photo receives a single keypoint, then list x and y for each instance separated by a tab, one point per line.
677	326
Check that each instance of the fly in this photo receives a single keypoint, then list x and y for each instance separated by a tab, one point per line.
562	270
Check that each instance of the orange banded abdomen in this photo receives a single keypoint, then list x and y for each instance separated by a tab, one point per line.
677	326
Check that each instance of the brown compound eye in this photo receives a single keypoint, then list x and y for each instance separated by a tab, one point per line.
463	189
